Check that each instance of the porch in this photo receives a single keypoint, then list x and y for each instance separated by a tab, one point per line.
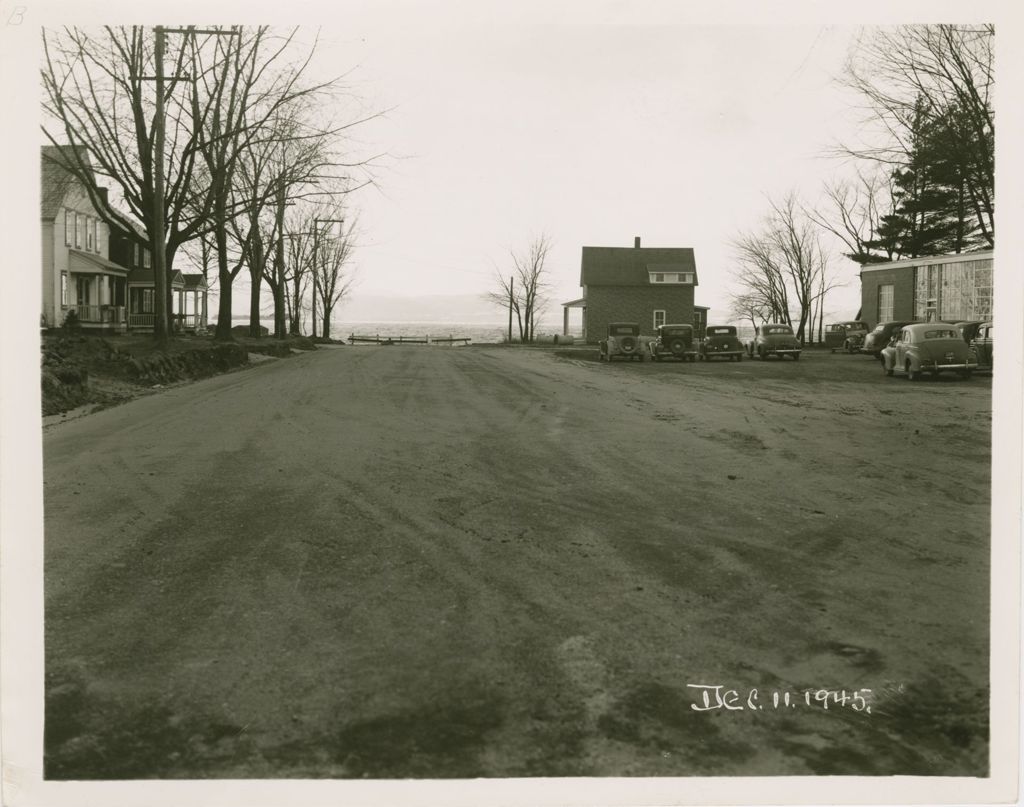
93	289
188	302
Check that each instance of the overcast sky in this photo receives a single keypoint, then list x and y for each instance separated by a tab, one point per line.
593	134
592	122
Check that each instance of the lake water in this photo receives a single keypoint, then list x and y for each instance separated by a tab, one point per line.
479	332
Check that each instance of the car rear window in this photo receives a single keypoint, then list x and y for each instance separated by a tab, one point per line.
721	331
944	333
622	330
779	329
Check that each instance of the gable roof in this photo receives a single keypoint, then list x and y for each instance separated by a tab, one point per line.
629	266
56	180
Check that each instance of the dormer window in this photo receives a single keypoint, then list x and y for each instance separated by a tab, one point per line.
671	277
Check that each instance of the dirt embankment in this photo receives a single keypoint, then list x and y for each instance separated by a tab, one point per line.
79	370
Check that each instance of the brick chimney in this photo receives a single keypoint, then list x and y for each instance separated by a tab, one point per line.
636	242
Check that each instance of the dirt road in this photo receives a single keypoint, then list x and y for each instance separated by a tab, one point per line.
428	562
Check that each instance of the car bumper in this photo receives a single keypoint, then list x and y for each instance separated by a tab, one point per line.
782	350
969	365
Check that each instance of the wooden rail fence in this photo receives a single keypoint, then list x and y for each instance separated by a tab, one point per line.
377	339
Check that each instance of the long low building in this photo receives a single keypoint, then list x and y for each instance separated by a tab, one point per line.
948	288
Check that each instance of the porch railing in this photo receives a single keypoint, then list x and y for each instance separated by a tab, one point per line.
179	322
112	314
141	320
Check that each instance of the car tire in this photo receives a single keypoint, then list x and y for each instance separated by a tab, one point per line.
912	374
966	374
641	358
796	357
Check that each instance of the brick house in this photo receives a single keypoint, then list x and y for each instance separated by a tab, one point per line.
649	285
947	288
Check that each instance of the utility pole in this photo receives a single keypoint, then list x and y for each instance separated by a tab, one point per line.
162	303
159	256
316	234
511	281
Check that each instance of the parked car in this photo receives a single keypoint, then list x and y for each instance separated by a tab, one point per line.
928	347
623	341
981	344
880	337
774	339
968	329
848	336
673	342
720	341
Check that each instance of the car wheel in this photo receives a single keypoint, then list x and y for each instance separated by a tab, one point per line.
760	353
641	358
912	374
966	374
796	357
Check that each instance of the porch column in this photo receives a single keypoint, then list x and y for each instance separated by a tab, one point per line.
565	320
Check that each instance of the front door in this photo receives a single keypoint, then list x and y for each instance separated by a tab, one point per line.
82	285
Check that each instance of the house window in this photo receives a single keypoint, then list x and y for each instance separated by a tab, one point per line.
671	277
147	301
659	319
885	303
96	234
64	289
69	228
78	231
145	258
136	260
90	233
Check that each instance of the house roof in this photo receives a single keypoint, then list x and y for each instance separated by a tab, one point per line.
629	266
930	260
90	262
144	277
194	281
55	180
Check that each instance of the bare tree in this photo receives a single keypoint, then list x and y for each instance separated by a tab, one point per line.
782	268
333	258
524	290
945	73
224	97
858	208
99	104
750	306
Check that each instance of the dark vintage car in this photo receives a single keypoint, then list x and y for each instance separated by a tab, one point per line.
720	341
774	339
673	342
968	329
880	337
928	347
981	344
848	336
623	341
